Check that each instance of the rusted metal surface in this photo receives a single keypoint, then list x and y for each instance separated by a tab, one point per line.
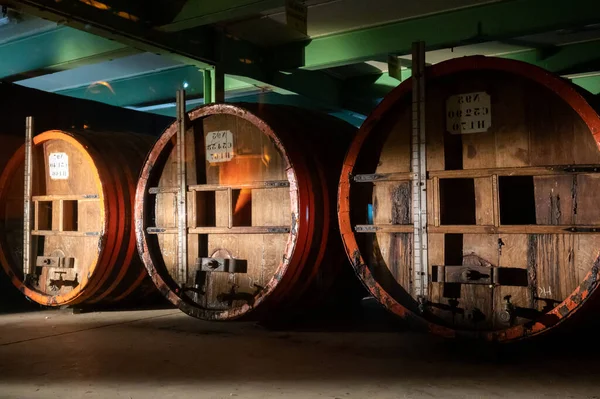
312	207
577	300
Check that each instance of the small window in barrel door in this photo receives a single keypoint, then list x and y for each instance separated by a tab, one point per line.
457	201
241	203
70	215
517	200
43	218
204	207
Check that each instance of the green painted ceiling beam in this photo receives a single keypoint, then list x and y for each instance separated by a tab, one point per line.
202	12
496	21
320	88
361	93
150	88
373	86
56	50
590	83
567	59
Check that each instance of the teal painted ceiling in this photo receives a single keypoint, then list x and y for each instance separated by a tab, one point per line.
339	67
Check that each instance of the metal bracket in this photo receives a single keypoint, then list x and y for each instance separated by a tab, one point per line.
55	261
276	183
223	265
581	168
153	230
368	177
583	229
480	275
276	230
365	228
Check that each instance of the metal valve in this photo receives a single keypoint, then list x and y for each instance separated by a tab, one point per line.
507	314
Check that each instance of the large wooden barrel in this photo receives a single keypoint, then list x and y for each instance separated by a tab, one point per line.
513	228
83	240
261	230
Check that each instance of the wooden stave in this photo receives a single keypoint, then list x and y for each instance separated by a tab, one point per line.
585	298
101	288
273	120
129	283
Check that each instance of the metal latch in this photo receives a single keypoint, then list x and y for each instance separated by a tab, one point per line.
483	275
56	259
223	265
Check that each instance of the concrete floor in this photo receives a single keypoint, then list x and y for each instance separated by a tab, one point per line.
166	354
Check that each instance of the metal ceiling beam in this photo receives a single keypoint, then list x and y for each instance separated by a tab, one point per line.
373	86
20	26
362	92
590	83
197	49
55	50
496	21
203	48
150	88
322	89
563	60
201	12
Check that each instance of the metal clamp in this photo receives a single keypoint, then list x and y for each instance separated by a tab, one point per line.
56	259
481	275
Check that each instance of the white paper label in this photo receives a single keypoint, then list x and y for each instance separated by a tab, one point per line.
58	163
468	113
219	146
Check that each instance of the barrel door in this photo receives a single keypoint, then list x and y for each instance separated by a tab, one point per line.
513	170
82	245
258	212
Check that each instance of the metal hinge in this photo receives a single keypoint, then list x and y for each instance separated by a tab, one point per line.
581	168
277	183
368	177
583	230
364	228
